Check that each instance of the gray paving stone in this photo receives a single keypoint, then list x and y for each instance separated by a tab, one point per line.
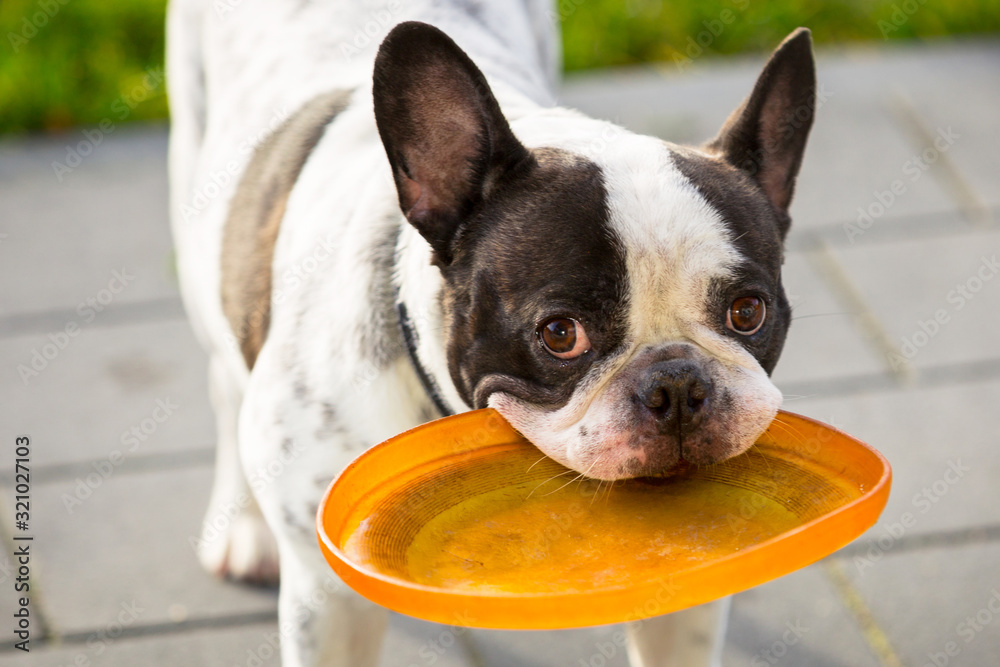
945	85
411	642
856	148
795	620
246	646
249	645
922	432
129	541
681	106
105	382
822	342
938	607
593	647
856	151
65	240
908	283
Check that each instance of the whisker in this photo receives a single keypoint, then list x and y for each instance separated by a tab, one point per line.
536	463
763	458
607	496
575	479
797	437
797	397
806	317
578	477
565	472
600	483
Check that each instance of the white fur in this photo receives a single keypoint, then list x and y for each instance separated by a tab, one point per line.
676	245
234	77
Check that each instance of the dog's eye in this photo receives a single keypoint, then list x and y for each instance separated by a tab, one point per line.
746	315
564	338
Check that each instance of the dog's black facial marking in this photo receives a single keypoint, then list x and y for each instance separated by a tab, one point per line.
756	229
539	247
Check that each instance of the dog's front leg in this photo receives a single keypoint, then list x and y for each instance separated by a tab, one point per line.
690	638
289	465
321	620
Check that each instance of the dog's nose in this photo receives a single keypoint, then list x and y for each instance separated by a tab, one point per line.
677	393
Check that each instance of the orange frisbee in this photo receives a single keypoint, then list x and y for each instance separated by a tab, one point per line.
463	521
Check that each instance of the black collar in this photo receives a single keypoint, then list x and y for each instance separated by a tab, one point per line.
428	383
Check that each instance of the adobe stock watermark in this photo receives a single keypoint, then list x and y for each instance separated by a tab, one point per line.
751	505
913	168
606	651
131	439
291	280
122	108
88	310
376	26
287	627
218	181
223	7
970	628
258	479
564	9
368	31
923	502
99	642
432	650
958	298
793	634
714	28
31	25
899	16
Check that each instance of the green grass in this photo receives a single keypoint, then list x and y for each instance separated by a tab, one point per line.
601	33
80	62
74	62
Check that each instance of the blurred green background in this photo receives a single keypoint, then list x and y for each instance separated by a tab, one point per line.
78	62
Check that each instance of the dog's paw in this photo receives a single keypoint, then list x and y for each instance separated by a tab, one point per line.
244	551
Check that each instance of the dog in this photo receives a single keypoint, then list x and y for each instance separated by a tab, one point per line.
381	218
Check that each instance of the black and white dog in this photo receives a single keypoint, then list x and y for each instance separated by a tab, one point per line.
380	218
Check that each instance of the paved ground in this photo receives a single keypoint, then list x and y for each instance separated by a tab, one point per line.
113	571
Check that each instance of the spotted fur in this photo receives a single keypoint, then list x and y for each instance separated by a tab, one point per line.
450	184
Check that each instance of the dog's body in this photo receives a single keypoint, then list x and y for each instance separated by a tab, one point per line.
590	284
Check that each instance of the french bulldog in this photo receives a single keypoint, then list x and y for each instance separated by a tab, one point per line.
381	218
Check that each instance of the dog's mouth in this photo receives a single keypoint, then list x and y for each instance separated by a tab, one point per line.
680	470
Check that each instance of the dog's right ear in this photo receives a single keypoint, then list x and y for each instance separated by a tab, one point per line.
443	131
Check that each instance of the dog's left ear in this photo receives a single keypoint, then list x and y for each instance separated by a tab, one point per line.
443	131
766	135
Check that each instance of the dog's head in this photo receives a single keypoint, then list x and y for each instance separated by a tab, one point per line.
616	297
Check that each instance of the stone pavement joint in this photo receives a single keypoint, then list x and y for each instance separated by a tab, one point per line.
848	293
941	539
852	599
159	629
972	205
935	376
140	463
133	312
